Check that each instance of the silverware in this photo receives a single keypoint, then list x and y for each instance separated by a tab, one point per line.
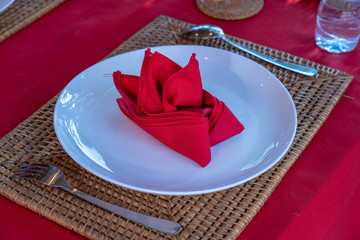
52	176
210	31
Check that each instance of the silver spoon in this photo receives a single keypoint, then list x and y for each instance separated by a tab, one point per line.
209	32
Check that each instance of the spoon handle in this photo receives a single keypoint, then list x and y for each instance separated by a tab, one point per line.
308	71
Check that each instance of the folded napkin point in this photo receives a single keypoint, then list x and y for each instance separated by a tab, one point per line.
168	102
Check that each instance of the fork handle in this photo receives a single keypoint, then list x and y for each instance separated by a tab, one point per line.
159	224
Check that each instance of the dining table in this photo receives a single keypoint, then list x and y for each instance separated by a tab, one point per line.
44	44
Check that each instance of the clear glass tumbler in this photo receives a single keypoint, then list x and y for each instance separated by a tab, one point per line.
338	25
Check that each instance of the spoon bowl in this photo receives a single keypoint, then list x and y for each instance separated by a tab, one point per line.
206	32
203	32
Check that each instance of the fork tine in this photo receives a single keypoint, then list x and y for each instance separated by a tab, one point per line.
40	164
32	167
33	171
35	165
26	176
28	171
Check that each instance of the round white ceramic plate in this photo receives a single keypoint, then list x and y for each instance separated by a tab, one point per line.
4	4
95	133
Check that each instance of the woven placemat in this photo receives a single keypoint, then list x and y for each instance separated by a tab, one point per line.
23	12
219	215
230	9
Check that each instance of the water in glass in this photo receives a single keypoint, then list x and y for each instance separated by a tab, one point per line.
338	25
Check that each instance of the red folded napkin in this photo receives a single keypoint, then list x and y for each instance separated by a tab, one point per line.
168	102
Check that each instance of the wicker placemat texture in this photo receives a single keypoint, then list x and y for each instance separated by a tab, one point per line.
219	215
230	9
23	12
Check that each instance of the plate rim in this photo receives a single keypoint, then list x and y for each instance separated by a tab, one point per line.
6	5
186	192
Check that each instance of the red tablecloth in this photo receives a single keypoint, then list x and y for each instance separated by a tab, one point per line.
319	196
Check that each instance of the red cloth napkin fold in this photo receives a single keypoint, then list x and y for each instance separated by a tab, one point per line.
168	102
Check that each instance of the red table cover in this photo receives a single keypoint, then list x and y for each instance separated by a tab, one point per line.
317	199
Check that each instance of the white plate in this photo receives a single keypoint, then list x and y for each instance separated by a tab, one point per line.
4	4
94	132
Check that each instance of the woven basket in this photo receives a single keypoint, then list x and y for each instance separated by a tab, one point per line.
230	9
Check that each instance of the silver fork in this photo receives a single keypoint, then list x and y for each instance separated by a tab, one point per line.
52	176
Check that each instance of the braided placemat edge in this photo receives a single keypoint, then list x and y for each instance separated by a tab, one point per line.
22	13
